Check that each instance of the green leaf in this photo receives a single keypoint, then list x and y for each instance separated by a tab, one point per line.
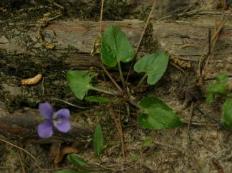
97	99
115	47
79	82
157	115
153	65
98	140
66	171
218	87
227	114
76	160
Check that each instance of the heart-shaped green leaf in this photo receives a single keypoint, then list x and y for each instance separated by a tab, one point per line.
115	47
218	87
153	65
227	114
157	115
98	140
79	82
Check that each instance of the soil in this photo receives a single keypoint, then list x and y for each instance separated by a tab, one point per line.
33	40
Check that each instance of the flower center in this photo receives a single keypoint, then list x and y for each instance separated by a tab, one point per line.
56	120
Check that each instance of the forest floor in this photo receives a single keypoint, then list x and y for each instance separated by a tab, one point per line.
28	47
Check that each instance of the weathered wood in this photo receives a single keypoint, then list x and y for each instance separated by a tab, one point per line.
82	34
182	40
191	43
76	34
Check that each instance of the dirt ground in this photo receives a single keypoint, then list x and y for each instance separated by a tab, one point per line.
28	47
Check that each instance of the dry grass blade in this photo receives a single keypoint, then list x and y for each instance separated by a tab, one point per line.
142	35
118	125
203	63
23	150
101	15
145	27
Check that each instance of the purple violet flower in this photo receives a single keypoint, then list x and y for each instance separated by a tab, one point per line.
59	120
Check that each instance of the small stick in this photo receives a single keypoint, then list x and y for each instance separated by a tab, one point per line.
190	122
203	63
118	125
145	27
121	76
142	35
22	149
101	15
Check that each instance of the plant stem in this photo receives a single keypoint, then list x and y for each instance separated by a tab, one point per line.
133	102
68	103
141	81
121	75
114	93
111	78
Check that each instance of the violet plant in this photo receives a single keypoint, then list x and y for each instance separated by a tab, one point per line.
58	120
116	50
153	113
220	88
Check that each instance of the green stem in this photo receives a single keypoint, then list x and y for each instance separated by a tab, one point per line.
68	103
111	78
121	75
141	80
114	93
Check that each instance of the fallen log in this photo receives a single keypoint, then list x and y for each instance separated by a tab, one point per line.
192	43
73	41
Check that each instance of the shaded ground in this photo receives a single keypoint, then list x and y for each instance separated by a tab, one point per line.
201	146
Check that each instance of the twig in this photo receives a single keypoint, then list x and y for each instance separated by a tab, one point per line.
101	15
214	40
145	27
190	121
21	162
191	116
141	81
22	149
204	60
118	125
141	37
121	75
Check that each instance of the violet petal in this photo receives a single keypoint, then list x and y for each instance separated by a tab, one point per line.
62	124
46	110
62	113
45	129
